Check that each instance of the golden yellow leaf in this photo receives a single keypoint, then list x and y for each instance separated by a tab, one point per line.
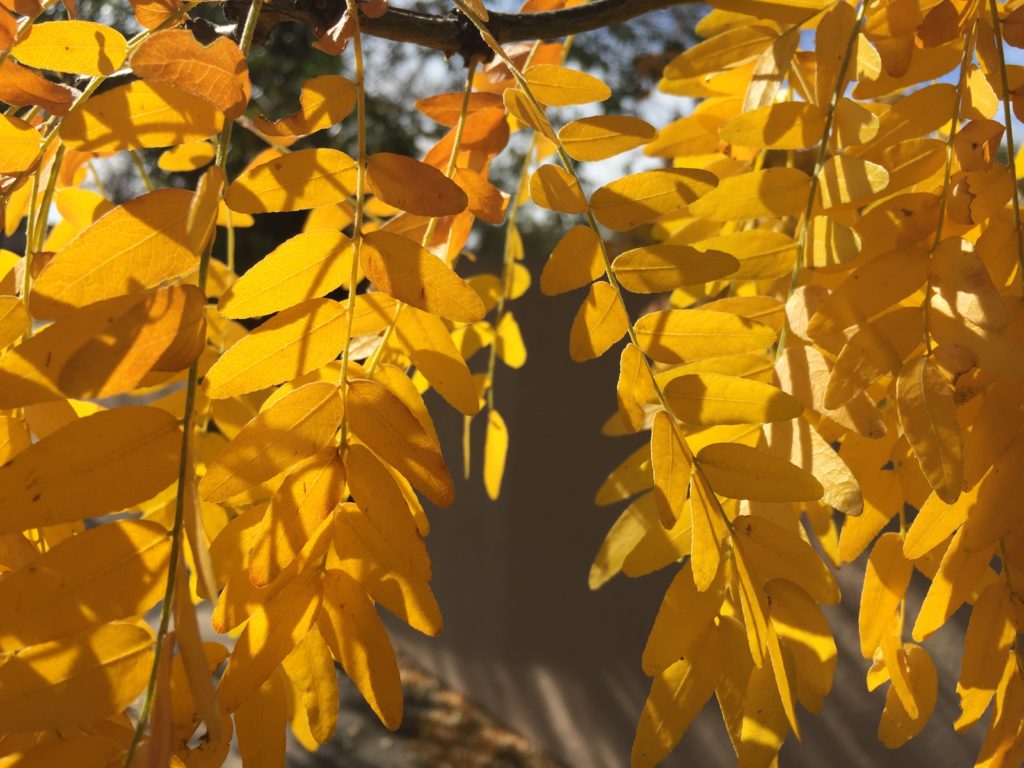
75	681
677	694
290	430
706	399
762	254
273	630
358	640
95	465
132	248
307	266
260	724
733	46
509	341
519	106
308	494
19	145
987	646
14	320
679	336
77	47
634	389
139	115
554	188
604	136
622	538
897	726
380	530
770	192
428	344
295	341
311	670
186	157
495	453
386	425
684	615
641	198
928	417
774	552
885	584
786	125
195	660
658	268
600	321
672	465
324	101
410	273
961	572
412	186
308	178
708	531
741	472
216	73
846	180
575	262
764	725
113	571
562	87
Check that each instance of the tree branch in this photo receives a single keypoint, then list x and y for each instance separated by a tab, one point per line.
452	33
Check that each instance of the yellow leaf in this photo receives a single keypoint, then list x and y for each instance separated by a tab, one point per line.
756	194
186	157
95	465
495	453
604	136
684	615
290	430
764	726
707	533
600	322
139	115
410	273
806	635
407	597
641	198
634	389
734	46
623	537
132	248
987	645
113	571
271	633
307	266
886	579
679	336
76	681
358	640
786	125
519	106
308	178
575	262
845	180
562	87
296	341
381	529
741	472
412	186
428	344
658	268
324	101
216	73
960	574
677	694
77	47
14	320
311	669
994	512
774	552
383	422
195	661
753	605
670	460
307	495
928	417
705	399
509	340
554	188
762	254
897	726
19	145
260	724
